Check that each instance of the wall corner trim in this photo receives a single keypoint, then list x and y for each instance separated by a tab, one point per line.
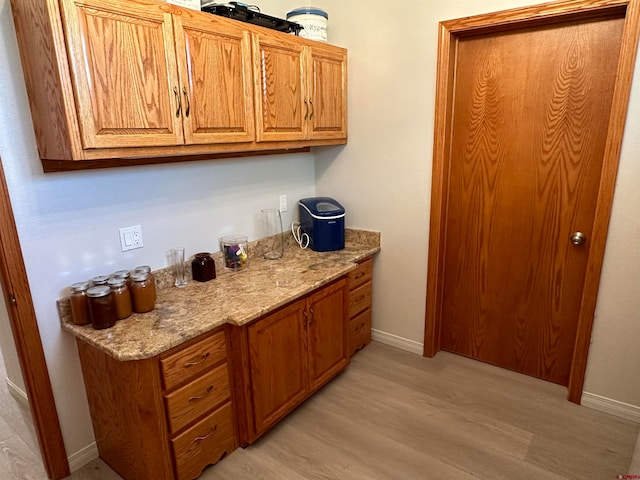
610	406
17	393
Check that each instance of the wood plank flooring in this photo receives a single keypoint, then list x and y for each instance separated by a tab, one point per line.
395	415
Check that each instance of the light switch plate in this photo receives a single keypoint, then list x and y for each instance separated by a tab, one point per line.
131	238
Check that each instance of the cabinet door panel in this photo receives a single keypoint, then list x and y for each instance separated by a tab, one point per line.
124	70
215	72
278	364
281	113
327	333
328	86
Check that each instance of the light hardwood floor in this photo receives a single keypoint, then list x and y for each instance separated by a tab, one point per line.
395	415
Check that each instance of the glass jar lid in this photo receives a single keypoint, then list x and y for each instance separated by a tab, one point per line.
122	274
99	280
99	291
79	287
143	268
140	276
116	282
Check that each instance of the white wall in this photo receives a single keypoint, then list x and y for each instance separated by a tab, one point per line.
383	177
68	222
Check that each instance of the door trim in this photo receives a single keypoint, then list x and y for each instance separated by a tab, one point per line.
24	326
542	14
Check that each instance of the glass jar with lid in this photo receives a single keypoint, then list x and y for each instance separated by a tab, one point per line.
101	307
121	297
147	269
142	292
123	274
80	303
99	280
203	267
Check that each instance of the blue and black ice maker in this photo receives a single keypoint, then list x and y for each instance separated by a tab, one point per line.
322	218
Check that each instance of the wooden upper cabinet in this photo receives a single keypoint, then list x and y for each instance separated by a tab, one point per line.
327	93
300	90
128	82
280	88
214	60
123	62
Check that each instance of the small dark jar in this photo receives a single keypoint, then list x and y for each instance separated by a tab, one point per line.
203	267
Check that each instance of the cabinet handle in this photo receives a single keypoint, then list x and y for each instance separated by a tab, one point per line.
358	299
186	96
311	318
359	275
312	110
306	318
197	362
210	389
306	114
204	437
178	101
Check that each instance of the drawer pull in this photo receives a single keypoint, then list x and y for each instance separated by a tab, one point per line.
197	362
204	437
359	275
358	299
207	392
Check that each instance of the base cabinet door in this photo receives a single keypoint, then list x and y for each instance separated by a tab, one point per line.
282	358
278	364
327	334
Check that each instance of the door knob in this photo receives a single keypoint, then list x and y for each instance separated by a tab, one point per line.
578	238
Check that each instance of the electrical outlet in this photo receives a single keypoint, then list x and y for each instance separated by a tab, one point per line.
131	238
283	202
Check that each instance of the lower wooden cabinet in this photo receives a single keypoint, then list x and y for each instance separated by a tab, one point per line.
360	293
166	417
282	358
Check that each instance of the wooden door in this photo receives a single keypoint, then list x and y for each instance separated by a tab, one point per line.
214	59
278	364
327	94
529	120
279	85
327	329
124	70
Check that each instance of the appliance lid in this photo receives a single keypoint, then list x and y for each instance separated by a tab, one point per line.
322	207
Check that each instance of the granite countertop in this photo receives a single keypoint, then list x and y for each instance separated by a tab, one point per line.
233	297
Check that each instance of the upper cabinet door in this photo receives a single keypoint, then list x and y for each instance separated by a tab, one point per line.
282	108
214	59
328	94
124	70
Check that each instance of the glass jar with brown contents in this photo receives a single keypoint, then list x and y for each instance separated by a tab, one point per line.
147	269
80	303
123	274
121	297
101	307
142	292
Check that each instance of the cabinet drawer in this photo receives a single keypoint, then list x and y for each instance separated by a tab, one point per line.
194	360
196	398
359	331
361	275
204	443
359	299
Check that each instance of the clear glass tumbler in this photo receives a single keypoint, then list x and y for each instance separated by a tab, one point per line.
271	233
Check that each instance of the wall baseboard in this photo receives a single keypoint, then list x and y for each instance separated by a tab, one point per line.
17	393
610	406
82	457
590	400
396	341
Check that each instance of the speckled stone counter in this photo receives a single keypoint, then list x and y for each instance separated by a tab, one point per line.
233	297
